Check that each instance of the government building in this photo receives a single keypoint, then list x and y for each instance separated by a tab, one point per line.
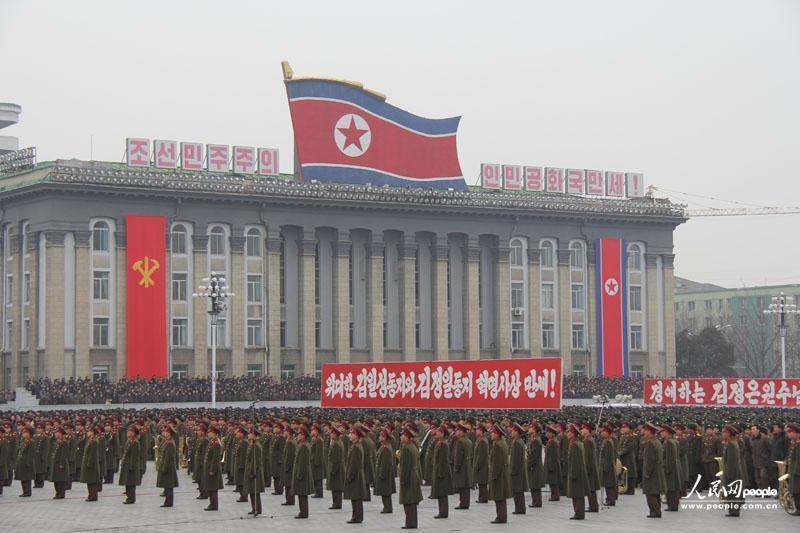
322	272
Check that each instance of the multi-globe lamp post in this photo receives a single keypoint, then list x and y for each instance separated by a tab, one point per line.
780	307
216	291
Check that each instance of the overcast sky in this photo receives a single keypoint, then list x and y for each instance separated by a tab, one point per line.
701	96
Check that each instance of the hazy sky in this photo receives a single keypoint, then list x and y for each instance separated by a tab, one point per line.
701	96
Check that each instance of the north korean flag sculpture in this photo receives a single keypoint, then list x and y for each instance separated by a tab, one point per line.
612	307
344	133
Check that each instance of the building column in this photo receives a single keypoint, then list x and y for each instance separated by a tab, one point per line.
654	363
237	281
564	311
308	308
502	300
407	250
534	302
341	296
471	302
274	303
669	312
54	305
200	307
121	308
590	326
31	313
439	258
375	250
83	300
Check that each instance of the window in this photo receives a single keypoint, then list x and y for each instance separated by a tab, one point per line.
634	258
7	339
318	333
517	336
100	373
220	370
287	372
577	296
637	371
708	305
635	298
220	332
254	370
548	336
283	271
100	237
579	371
576	255
26	287
578	339
516	257
26	333
253	243
386	334
546	258
216	241
416	335
178	240
100	332
517	295
180	331
8	290
316	274
180	371
100	284
547	296
636	337
254	289
351	334
255	336
416	281
691	306
283	333
179	286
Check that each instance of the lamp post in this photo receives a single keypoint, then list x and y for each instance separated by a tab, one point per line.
780	307
216	291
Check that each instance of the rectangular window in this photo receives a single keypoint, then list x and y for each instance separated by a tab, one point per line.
579	371
100	238
577	297
220	332
283	333
548	336
220	370
384	280
178	242
8	291
351	277
179	286
416	334
416	280
317	334
691	306
26	287
385	335
100	280
316	275
254	370
216	243
351	334
517	295
546	256
180	371
100	332
636	337
254	289
637	371
7	339
287	372
635	298
708	305
100	373
253	244
283	272
548	302
180	331
578	338
517	336
26	333
449	291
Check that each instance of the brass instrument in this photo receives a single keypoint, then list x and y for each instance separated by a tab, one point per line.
622	476
723	493
785	499
157	455
182	445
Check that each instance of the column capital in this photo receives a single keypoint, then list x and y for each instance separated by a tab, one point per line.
591	256
375	246
54	237
563	257
534	252
440	248
341	247
668	260
650	260
502	253
472	249
274	241
33	242
121	239
199	242
81	238
237	243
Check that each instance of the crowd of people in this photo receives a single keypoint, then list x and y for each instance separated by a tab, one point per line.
504	457
7	396
247	388
172	390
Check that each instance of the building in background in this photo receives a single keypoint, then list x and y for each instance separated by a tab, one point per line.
738	313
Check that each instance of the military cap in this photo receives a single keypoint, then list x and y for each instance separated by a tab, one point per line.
649	426
731	429
496	428
667	428
214	430
134	429
794	428
535	426
587	425
60	430
519	429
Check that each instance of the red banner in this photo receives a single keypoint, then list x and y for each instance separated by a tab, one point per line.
485	384
723	391
146	268
612	308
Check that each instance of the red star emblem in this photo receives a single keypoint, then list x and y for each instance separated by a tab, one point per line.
352	135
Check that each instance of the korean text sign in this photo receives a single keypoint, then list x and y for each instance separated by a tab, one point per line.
755	392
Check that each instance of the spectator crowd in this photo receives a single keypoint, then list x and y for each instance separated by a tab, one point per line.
582	387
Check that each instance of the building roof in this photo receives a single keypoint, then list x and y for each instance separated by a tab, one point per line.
686	289
683	285
118	178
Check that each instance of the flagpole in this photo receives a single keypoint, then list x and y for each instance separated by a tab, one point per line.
217	292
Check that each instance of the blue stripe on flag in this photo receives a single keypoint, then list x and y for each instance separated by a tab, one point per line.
361	175
623	251
598	251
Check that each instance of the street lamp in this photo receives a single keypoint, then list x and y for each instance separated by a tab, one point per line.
216	291
781	306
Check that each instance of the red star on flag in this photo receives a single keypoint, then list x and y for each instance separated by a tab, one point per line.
352	134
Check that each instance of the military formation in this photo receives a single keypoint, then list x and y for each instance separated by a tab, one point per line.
463	460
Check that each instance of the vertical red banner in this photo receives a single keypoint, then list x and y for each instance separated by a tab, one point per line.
146	267
612	310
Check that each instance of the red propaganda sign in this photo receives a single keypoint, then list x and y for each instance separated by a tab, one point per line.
495	384
723	391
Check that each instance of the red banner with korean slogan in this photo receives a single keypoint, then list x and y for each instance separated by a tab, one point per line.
146	297
755	392
485	384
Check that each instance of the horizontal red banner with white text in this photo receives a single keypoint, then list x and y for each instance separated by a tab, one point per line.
756	392
485	384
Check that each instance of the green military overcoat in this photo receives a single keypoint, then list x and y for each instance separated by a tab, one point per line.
442	481
302	477
410	482
480	462
130	473
335	466
167	476
535	466
385	471
355	484
577	477
653	481
499	476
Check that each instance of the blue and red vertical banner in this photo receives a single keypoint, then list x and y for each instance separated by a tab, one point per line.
612	307
146	267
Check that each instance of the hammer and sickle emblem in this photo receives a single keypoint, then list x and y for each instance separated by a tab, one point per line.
146	267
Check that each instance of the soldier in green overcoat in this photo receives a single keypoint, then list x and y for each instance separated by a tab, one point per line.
518	468
563	455
793	462
110	451
385	471
253	484
238	459
608	460
302	477
5	455
355	483
427	466
368	445
499	475
577	478
90	464
276	457
534	464
24	466
672	475
41	456
653	482
462	466
480	464
211	478
317	461
442	480
130	474
289	452
627	451
198	450
59	464
167	476
410	482
552	463
590	461
732	472
335	468
266	450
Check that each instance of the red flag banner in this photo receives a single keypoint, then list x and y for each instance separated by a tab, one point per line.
756	392
612	307
485	384
146	297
